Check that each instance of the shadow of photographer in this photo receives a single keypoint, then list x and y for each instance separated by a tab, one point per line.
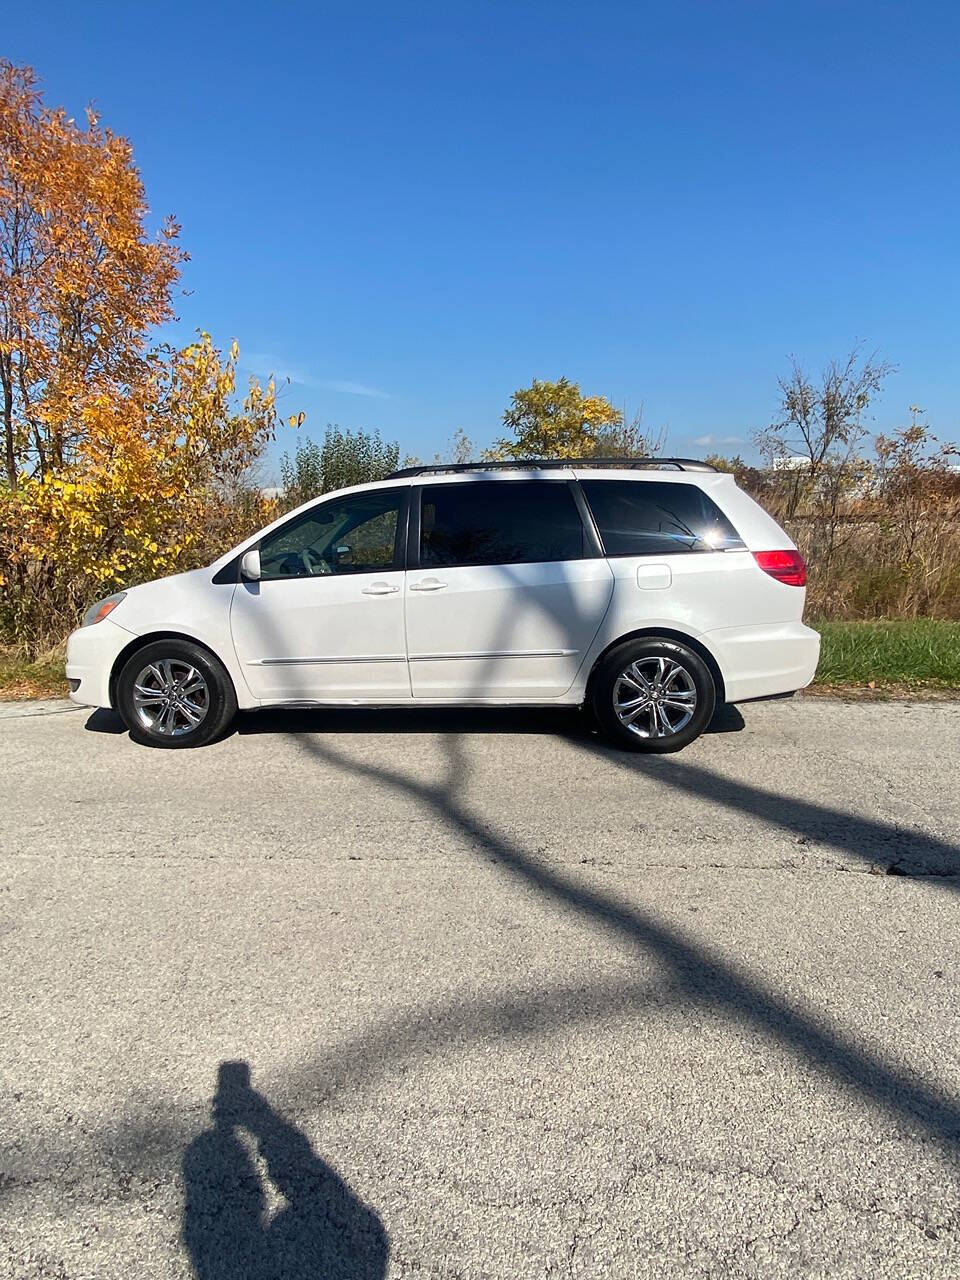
323	1231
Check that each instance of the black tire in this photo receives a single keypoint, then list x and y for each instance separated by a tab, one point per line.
141	711
693	689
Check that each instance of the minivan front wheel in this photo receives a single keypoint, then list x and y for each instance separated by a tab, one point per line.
653	695
172	693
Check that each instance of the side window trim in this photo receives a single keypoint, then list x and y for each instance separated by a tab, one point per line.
402	534
593	544
229	573
592	549
413	527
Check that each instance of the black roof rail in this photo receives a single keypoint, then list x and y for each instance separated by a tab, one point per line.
553	464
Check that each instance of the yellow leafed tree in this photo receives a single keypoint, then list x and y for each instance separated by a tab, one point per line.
554	420
149	470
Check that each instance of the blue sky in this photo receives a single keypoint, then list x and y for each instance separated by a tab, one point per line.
413	209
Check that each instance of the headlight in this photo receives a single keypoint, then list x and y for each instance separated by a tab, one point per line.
97	612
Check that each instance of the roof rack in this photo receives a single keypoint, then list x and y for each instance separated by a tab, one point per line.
554	464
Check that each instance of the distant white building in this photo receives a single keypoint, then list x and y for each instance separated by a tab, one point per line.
792	462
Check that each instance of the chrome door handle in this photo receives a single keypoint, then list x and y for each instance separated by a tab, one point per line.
379	589
427	584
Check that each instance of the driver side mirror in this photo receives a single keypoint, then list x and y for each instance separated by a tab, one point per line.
250	566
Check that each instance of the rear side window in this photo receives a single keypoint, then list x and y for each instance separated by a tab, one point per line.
499	522
655	518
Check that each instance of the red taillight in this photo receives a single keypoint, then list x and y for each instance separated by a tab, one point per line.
786	566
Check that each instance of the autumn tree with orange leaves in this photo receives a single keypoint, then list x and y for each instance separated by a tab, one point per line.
118	457
81	284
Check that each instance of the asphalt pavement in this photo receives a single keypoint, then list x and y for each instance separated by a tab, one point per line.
466	994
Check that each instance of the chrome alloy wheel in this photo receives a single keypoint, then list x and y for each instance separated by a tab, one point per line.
171	697
654	697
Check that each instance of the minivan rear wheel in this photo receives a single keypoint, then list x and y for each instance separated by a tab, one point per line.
653	694
173	693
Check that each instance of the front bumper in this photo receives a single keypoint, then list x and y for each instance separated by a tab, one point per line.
761	661
91	653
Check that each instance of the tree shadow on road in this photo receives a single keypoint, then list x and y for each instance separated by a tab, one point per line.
700	977
882	847
696	975
323	1231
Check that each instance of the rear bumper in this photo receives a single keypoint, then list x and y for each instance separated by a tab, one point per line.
762	661
91	653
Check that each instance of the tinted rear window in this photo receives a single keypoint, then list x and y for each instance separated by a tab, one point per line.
642	518
499	522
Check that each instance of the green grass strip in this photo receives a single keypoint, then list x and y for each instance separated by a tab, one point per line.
922	651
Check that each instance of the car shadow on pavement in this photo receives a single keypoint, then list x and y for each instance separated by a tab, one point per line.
561	721
103	720
229	1230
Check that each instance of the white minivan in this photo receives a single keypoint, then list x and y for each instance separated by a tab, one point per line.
649	590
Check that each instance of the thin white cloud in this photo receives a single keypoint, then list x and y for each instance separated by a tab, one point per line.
263	364
706	441
354	389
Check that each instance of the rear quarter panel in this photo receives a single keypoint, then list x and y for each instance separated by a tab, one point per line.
711	596
706	591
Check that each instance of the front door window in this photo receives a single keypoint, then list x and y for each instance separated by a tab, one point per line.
357	534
